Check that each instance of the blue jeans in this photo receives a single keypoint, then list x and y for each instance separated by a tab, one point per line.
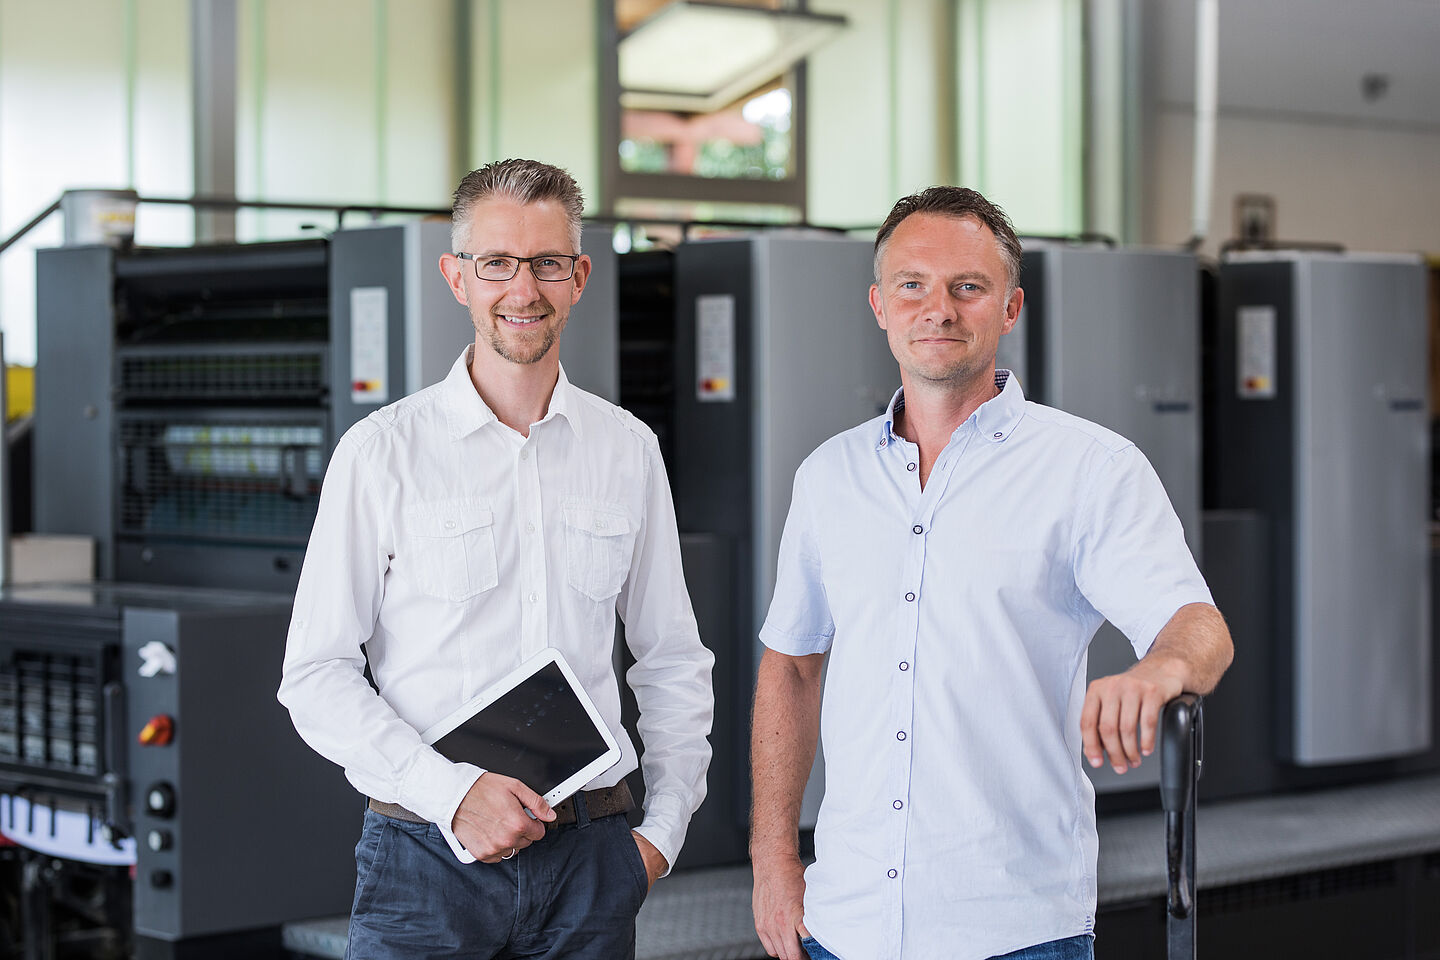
573	895
1075	948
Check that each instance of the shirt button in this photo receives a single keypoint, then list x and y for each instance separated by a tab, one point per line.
904	665
534	597
883	441
599	524
898	804
529	528
900	735
892	873
999	436
918	529
524	454
910	597
910	467
449	524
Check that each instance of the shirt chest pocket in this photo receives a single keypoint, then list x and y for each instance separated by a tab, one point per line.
450	549
599	540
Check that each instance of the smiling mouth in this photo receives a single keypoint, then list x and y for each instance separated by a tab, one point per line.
521	321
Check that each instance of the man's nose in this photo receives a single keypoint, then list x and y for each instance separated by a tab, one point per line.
524	282
940	307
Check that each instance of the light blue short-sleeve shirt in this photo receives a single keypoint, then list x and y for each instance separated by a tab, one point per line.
957	618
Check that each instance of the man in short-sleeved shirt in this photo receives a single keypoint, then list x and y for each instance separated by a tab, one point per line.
952	560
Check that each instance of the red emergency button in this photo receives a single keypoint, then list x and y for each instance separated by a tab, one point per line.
158	732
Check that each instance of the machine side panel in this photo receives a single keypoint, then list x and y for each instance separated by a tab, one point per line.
1253	467
712	445
1022	350
1129	324
365	258
1362	448
590	345
262	828
74	464
821	366
437	327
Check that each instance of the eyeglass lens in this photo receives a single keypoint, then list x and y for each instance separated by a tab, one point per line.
547	268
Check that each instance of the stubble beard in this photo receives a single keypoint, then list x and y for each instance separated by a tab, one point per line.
516	353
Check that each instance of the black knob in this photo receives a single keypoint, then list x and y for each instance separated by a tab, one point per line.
160	799
161	879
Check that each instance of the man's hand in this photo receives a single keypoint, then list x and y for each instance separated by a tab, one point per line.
491	821
778	902
655	862
1121	712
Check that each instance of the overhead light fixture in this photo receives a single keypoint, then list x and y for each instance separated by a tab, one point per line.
696	57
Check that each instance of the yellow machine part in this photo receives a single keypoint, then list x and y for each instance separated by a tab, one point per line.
19	392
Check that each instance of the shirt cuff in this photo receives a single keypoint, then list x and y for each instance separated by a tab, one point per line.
1165	612
793	646
434	788
664	826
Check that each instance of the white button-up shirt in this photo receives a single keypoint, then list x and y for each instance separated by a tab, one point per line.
956	813
453	549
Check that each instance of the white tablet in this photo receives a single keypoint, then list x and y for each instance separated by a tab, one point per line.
536	724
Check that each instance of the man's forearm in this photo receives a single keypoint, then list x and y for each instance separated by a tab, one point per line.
785	729
1195	645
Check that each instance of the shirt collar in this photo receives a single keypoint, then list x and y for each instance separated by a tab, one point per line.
995	418
466	412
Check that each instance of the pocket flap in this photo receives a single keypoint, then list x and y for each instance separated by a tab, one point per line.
447	518
600	521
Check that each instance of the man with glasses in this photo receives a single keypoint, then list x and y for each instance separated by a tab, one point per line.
460	531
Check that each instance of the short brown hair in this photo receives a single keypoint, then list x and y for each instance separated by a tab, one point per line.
958	203
524	181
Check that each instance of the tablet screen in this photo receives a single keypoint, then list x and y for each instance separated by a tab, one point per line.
538	733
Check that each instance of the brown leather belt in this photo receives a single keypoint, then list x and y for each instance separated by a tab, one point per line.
604	802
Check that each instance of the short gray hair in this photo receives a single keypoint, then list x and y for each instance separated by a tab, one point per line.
957	203
523	181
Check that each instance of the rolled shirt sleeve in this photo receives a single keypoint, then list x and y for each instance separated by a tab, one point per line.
671	674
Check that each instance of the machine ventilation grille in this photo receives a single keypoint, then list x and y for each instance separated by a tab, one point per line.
50	712
227	479
289	375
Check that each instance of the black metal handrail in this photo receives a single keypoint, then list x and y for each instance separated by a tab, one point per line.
1181	764
376	210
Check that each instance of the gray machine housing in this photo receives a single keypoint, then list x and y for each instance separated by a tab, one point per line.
1113	336
1319	392
241	365
787	312
255	831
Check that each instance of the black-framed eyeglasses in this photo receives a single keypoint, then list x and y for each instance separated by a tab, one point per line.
549	267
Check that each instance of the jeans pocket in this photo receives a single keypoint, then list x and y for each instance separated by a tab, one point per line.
371	853
631	853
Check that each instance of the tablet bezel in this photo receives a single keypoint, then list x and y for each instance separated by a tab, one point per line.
513	679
